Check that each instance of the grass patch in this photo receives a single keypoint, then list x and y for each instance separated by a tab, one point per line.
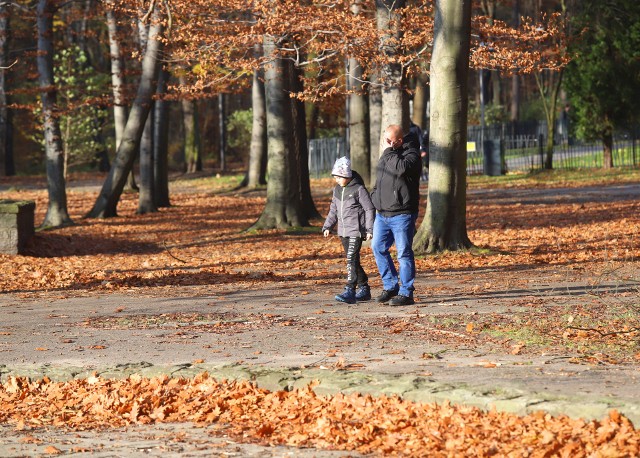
557	178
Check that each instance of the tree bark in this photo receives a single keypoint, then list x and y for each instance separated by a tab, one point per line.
301	145
358	126
257	169
550	112
107	201
117	73
57	214
6	146
515	79
420	97
282	208
146	201
607	148
444	226
161	142
393	112
375	122
191	132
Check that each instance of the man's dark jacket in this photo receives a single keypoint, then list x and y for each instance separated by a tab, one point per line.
398	179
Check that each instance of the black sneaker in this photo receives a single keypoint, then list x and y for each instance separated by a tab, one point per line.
386	295
401	300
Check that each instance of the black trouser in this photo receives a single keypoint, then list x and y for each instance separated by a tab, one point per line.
355	273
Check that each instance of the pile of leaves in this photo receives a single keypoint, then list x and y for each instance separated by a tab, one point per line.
301	418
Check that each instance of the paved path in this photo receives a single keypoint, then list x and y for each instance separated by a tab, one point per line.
285	336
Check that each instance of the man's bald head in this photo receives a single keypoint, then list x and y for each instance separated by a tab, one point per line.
393	136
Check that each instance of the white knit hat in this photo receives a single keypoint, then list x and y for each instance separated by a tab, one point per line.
342	167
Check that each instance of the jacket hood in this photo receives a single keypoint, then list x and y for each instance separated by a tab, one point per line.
356	179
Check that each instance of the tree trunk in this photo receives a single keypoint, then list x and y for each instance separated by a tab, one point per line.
57	214
388	22
146	201
282	208
107	201
301	145
191	133
161	142
222	133
358	126
515	98
6	147
445	225
117	74
607	150
256	174
375	121
515	79
420	97
550	112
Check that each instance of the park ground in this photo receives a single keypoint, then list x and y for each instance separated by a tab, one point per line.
535	330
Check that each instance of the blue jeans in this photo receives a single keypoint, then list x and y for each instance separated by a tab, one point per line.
399	229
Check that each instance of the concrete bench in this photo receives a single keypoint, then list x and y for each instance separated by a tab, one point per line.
16	225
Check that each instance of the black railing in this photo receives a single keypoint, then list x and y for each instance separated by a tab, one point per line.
515	146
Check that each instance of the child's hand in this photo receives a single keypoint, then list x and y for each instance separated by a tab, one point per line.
325	232
368	236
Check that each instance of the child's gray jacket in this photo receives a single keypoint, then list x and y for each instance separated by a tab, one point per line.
352	209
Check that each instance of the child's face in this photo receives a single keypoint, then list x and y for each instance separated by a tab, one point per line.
342	181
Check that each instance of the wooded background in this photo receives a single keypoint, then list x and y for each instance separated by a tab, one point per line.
141	88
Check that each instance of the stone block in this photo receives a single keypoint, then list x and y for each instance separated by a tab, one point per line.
16	225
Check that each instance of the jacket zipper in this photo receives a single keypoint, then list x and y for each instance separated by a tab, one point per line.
342	210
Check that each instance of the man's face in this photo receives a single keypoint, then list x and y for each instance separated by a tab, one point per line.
392	140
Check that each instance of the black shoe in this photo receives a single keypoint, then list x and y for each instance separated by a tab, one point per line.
386	295
401	300
348	296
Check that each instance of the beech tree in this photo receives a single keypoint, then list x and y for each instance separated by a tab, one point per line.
283	207
57	213
107	201
444	226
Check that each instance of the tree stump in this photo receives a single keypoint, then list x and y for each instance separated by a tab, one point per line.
16	225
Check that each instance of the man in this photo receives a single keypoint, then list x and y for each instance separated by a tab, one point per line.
396	199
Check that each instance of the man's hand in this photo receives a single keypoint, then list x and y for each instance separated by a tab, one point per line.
325	232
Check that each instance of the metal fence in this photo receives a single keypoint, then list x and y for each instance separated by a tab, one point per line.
522	148
323	152
497	149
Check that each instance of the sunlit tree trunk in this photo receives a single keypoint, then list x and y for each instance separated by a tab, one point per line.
257	169
57	214
358	127
445	225
282	208
375	121
161	143
117	74
6	145
393	107
107	201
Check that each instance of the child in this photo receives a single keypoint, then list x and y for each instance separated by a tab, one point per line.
352	209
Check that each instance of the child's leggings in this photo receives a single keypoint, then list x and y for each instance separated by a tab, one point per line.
355	273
